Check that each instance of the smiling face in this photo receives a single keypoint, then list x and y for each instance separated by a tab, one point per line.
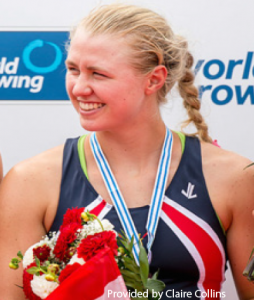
107	92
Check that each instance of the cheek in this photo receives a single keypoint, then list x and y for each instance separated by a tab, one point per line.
69	85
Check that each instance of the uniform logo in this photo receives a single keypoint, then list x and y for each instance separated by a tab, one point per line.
189	193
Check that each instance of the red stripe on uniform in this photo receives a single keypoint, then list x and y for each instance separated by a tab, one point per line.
205	245
98	209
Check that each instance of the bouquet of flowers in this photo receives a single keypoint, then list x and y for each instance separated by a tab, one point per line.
64	261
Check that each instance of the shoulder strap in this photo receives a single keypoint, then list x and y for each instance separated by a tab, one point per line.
182	138
81	154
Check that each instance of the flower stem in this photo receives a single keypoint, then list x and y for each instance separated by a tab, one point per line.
98	220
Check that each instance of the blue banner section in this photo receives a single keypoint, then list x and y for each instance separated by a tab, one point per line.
32	65
228	80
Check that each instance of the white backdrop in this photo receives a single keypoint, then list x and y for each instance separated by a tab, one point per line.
217	30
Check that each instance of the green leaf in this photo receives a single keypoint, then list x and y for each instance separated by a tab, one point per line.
33	270
44	268
155	275
122	235
15	261
130	275
250	266
131	243
144	266
155	285
249	165
252	252
249	269
134	285
130	264
19	286
19	254
37	261
124	244
128	244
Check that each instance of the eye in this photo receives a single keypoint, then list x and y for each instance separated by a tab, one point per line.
99	74
71	67
72	70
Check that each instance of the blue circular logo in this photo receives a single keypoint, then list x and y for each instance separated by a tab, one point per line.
39	43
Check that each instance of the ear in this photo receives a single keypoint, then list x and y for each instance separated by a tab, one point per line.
156	79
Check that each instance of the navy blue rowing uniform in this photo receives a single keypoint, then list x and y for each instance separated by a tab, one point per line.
190	246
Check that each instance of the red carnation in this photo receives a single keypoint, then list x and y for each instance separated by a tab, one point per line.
72	216
69	269
42	253
27	278
66	237
91	245
60	248
69	233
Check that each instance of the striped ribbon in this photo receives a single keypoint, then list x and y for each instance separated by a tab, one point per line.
118	200
159	190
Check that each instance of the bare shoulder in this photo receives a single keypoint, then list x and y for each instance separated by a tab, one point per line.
228	166
229	181
37	171
49	159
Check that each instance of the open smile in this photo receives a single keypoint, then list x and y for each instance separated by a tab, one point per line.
90	106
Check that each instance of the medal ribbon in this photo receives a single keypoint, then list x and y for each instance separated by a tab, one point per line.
118	200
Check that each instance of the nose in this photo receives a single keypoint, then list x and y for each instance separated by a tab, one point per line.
82	87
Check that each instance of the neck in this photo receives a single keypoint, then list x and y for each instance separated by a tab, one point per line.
135	145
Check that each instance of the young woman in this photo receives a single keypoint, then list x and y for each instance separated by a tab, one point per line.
122	61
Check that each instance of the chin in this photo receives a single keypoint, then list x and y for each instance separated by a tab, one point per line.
91	126
99	124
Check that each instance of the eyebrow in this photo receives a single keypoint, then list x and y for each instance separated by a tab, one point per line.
69	62
92	68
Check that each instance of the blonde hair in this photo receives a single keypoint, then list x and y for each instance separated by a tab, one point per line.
153	43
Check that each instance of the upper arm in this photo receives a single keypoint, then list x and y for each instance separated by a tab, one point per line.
240	235
26	193
231	189
21	215
1	169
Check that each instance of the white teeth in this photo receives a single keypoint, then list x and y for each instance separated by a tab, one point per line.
89	106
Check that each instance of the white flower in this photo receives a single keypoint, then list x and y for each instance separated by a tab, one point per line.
28	257
51	242
96	226
41	287
76	259
107	225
